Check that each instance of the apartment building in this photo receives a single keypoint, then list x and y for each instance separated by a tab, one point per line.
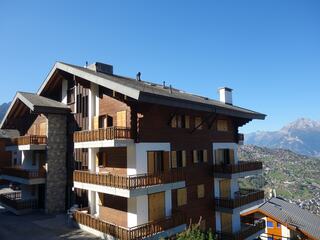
138	159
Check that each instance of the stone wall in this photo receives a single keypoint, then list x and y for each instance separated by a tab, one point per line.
56	163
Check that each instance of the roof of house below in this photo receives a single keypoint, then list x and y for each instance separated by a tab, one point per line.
292	216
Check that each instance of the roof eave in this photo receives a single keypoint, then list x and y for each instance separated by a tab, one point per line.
174	102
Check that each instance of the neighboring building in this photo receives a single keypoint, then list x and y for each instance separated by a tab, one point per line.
140	159
286	220
5	156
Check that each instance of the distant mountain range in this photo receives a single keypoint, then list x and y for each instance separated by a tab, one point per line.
301	136
3	109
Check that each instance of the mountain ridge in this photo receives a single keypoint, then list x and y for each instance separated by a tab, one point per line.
301	136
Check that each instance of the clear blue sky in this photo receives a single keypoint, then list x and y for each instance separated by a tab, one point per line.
268	51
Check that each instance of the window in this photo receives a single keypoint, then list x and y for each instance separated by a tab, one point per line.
178	159
198	122
222	125
224	156
180	121
181	197
200	156
269	224
200	191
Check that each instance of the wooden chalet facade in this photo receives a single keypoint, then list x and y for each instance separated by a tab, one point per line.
138	159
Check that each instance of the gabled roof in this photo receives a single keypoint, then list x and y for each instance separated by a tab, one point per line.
36	104
152	93
291	215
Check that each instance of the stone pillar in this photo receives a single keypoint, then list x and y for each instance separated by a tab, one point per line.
56	181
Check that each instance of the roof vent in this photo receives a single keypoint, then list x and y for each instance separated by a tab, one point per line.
225	95
101	67
138	77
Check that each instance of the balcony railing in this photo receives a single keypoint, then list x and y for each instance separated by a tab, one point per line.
27	140
242	166
100	134
14	201
138	232
24	173
243	197
246	231
128	182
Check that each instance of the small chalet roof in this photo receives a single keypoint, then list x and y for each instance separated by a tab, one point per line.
292	215
9	133
37	104
153	93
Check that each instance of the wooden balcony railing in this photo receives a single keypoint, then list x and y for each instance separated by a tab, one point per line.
24	173
242	166
26	140
246	231
243	197
129	182
138	232
14	200
109	133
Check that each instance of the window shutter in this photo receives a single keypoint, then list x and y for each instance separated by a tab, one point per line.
122	119
184	158
222	125
181	196
231	155
205	155
187	121
173	159
174	121
200	191
195	156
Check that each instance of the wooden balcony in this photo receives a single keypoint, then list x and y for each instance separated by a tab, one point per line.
14	201
246	231
134	233
101	134
128	182
242	166
24	173
28	140
240	138
243	197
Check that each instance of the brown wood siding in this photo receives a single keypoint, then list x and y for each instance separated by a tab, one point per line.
114	209
113	160
82	99
5	156
39	126
111	215
110	106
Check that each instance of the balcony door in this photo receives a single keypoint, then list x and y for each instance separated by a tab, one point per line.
158	161
156	204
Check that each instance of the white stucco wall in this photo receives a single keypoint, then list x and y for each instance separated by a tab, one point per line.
137	156
285	232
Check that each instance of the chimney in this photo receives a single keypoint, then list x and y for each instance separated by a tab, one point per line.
225	95
101	67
